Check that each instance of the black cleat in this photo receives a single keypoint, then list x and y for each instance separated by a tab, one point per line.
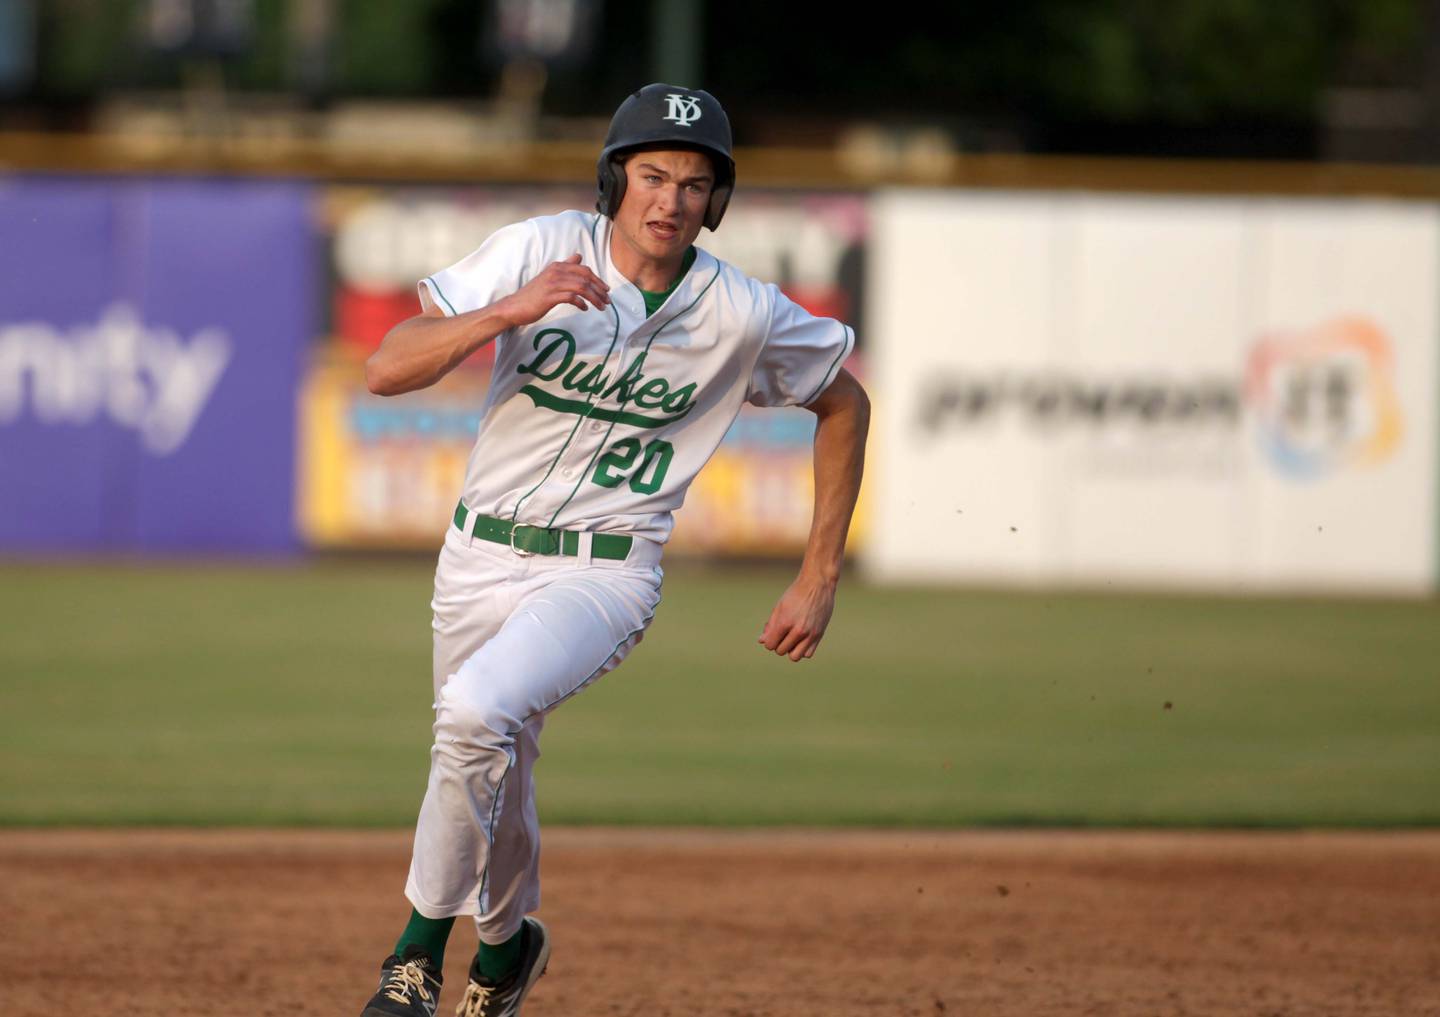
484	998
409	986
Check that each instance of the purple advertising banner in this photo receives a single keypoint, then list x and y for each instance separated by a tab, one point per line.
152	335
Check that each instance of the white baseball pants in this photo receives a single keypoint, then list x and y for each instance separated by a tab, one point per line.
514	637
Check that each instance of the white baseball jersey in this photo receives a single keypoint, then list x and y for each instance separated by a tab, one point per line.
600	419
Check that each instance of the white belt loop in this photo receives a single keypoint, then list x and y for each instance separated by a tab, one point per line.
585	552
643	552
469	523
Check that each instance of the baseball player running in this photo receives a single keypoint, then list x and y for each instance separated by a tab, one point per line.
623	354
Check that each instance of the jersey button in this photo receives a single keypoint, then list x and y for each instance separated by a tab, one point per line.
596	425
567	472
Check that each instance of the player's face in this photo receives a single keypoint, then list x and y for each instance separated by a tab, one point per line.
666	195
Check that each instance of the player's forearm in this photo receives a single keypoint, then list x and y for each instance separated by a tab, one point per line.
842	423
420	351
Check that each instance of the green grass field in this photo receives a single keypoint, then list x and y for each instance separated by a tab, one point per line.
300	695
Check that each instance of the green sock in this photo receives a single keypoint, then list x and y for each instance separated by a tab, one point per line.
429	933
495	962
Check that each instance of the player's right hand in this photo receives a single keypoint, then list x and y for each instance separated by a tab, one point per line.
561	282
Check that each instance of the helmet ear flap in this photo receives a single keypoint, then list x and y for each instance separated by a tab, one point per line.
719	201
612	186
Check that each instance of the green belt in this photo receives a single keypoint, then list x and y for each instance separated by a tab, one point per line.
538	540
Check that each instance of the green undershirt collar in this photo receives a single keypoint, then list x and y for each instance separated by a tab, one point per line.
654	300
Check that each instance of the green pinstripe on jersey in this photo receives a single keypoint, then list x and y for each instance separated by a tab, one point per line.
439	293
825	378
585	473
515	516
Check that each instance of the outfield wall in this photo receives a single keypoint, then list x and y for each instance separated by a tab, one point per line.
1228	393
1219	393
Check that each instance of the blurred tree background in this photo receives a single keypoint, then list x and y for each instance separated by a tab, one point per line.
1307	79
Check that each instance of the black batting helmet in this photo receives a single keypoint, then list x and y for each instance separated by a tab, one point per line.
664	114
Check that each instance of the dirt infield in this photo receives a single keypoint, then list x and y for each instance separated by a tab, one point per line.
785	924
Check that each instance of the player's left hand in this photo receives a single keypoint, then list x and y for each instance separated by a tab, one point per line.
800	618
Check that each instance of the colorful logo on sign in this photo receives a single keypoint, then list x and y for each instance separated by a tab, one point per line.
1325	398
